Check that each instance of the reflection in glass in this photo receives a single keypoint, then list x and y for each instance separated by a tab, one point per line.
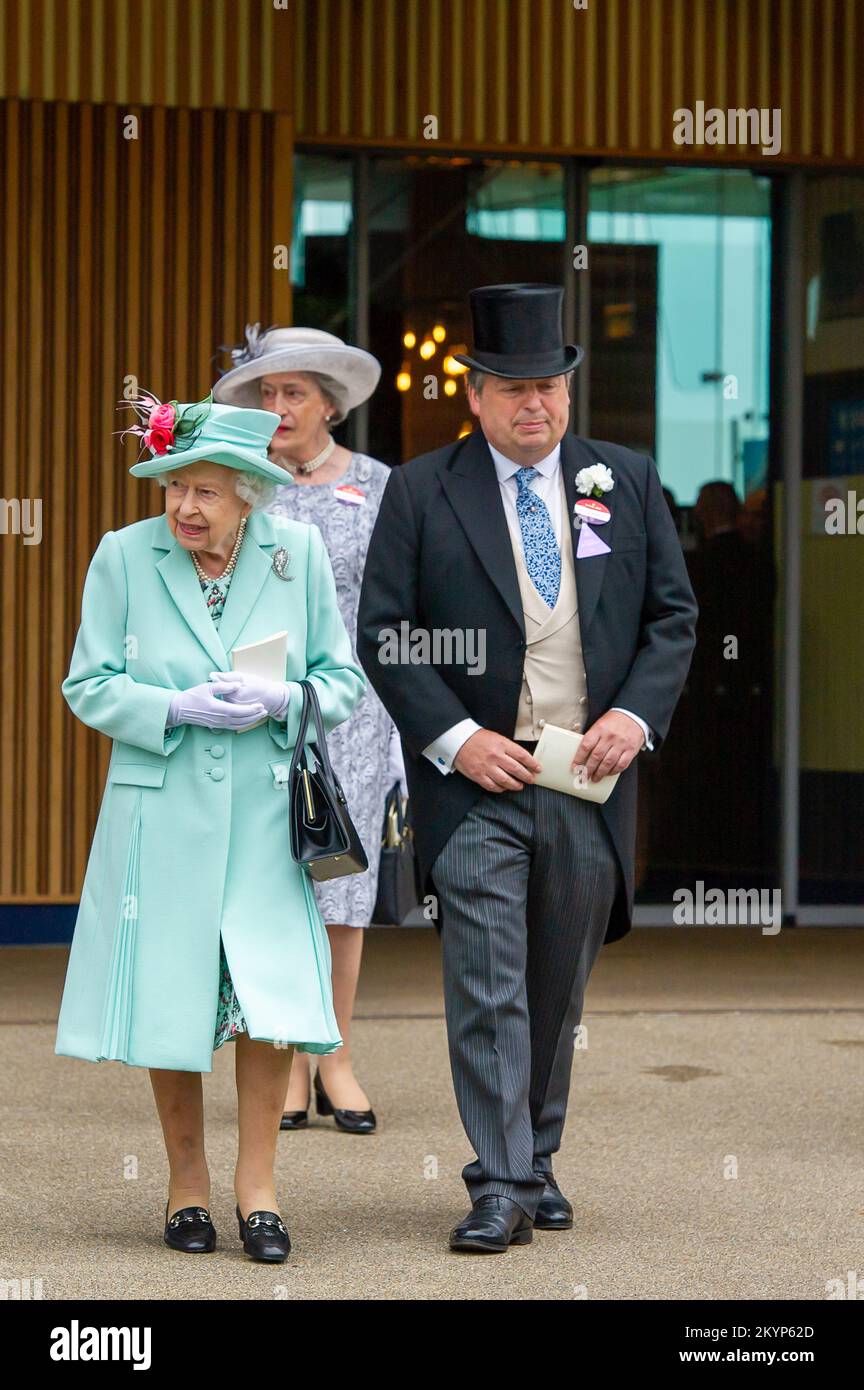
320	248
680	315
832	552
438	227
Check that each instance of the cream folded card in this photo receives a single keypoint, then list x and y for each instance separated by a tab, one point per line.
556	749
266	658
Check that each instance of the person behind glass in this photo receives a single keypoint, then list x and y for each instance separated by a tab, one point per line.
312	379
196	927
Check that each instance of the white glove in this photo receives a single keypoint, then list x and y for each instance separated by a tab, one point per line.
200	705
273	695
396	763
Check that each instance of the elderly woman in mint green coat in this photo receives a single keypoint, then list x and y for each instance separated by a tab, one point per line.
195	925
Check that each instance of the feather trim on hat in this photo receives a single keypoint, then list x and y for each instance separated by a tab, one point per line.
164	426
253	347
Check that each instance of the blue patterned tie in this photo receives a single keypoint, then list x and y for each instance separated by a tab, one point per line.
542	556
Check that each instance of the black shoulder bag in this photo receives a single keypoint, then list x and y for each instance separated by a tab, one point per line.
324	840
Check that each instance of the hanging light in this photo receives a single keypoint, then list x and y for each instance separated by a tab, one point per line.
427	349
409	339
450	387
451	366
467	428
619	320
403	378
439	333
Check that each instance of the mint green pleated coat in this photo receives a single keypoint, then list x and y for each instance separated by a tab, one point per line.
192	835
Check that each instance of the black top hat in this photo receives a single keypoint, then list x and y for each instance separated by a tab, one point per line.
517	332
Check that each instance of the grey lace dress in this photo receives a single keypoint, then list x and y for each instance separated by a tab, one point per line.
345	512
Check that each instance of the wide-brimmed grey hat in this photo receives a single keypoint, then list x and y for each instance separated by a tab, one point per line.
351	374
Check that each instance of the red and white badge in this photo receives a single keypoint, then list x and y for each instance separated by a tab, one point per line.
352	496
592	511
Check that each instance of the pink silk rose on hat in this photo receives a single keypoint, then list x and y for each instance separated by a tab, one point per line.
159	438
162	417
165	427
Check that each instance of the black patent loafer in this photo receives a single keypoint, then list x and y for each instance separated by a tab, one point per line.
294	1119
190	1230
493	1224
554	1212
264	1236
352	1121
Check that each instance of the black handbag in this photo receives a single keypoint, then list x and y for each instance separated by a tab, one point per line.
398	870
324	840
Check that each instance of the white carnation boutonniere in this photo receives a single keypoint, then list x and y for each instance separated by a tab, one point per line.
594	481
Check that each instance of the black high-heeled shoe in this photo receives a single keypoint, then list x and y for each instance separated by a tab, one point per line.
297	1119
264	1236
190	1230
352	1121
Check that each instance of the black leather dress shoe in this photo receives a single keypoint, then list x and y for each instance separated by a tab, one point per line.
352	1121
190	1230
264	1236
492	1224
296	1119
554	1212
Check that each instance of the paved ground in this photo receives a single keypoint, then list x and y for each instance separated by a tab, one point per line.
713	1148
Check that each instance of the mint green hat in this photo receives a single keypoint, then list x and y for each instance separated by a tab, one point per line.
177	434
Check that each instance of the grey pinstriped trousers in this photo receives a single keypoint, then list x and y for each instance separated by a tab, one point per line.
526	882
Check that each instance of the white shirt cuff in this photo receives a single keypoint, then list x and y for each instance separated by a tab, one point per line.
649	738
443	749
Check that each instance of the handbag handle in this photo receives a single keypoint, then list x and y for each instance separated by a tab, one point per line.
397	828
311	706
393	803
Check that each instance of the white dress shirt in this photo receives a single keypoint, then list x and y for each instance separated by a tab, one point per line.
442	751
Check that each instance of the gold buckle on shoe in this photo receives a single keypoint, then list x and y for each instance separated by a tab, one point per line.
201	1214
256	1220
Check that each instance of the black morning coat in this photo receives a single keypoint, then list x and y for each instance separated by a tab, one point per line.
440	557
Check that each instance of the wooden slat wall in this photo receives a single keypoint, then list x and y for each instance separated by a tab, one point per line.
536	75
542	76
198	53
117	257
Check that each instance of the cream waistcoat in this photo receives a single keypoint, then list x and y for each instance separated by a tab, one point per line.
554	687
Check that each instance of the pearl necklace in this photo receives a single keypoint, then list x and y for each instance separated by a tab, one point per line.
312	464
211	579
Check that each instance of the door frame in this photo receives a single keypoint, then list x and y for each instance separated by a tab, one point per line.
786	355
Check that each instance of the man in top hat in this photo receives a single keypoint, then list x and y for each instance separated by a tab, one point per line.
562	551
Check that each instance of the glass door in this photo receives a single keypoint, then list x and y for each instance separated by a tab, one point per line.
679	264
831	743
437	227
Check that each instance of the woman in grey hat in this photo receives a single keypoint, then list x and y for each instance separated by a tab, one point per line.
312	379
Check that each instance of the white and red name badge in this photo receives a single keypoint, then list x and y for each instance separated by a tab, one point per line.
349	494
589	509
596	514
